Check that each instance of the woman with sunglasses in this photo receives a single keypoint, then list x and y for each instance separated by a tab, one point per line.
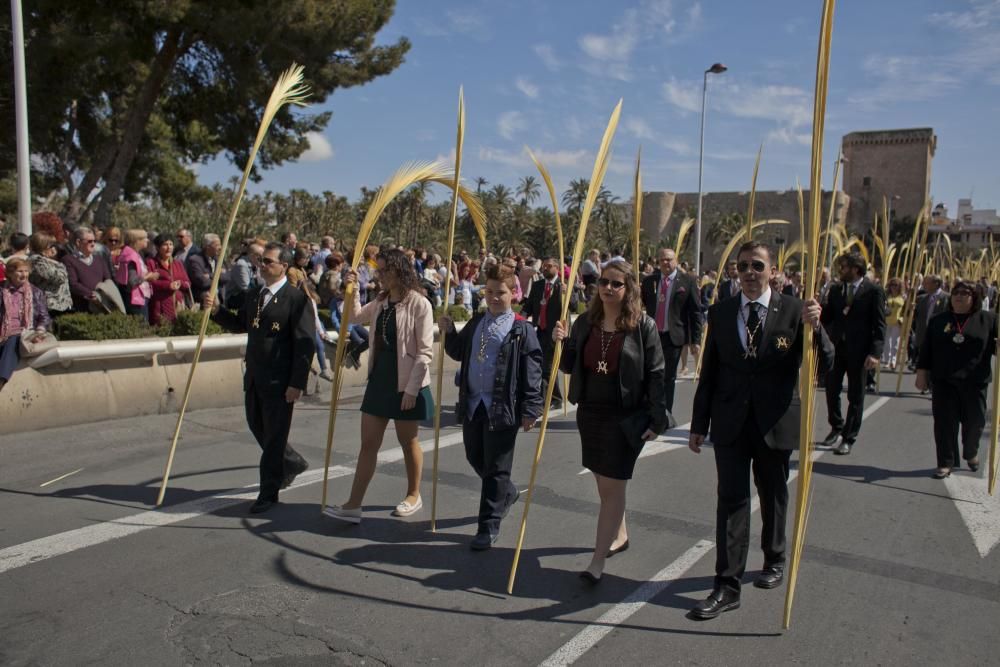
399	378
616	369
111	242
955	358
50	275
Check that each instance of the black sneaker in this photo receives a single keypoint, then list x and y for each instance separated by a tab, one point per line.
832	440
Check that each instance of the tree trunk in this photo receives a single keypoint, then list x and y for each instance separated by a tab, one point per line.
135	127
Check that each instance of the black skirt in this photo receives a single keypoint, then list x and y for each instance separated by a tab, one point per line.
605	448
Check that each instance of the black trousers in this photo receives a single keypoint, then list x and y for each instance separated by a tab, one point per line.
733	462
854	369
491	454
548	350
270	419
954	404
671	358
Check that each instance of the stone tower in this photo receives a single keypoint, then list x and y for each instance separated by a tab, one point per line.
887	163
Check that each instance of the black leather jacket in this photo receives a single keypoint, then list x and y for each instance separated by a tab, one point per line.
517	390
640	369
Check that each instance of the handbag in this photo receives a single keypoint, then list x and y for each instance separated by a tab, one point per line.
31	349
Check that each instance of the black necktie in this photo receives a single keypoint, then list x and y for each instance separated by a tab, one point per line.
753	321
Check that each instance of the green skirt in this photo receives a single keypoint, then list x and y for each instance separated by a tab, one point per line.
381	398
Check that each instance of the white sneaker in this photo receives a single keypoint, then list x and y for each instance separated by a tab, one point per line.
338	512
327	375
406	509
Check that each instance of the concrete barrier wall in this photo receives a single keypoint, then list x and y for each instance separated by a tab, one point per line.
97	390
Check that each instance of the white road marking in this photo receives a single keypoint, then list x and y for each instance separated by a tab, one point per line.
980	511
60	478
587	638
69	541
595	632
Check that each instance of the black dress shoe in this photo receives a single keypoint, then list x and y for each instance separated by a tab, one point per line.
483	541
506	510
293	470
973	464
617	550
770	577
844	448
590	578
719	601
262	505
832	439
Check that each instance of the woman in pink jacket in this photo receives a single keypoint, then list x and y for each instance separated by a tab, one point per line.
399	380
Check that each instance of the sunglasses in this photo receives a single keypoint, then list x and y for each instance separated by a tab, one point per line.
757	265
114	240
90	242
614	284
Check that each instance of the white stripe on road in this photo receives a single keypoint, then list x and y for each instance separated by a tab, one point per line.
595	632
587	638
59	478
44	548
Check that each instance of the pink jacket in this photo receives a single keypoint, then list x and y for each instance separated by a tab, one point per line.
414	338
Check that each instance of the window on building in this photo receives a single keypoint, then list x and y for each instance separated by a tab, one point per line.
866	181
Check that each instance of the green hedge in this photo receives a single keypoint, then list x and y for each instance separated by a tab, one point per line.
456	313
116	326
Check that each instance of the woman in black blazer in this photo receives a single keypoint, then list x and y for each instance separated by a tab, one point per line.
616	371
955	358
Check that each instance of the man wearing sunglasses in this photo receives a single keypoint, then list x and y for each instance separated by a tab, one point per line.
748	395
280	331
855	320
670	296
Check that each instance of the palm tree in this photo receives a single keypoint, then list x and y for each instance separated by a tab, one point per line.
480	182
575	196
609	213
529	190
725	228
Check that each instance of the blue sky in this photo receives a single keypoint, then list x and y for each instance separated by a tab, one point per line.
546	74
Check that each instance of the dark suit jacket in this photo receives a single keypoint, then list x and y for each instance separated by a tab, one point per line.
968	362
199	270
941	304
279	351
727	290
533	305
683	310
730	385
862	329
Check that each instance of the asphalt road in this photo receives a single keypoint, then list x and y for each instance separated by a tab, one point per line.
900	569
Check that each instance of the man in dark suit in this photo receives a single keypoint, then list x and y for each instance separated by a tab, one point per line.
730	285
933	301
543	307
855	319
670	297
200	267
748	394
280	332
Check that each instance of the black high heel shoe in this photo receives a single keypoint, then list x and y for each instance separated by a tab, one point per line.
590	578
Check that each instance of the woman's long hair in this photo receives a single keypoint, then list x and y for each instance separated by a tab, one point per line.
397	263
632	310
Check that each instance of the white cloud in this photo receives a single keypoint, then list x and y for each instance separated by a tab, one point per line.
686	97
551	159
319	148
609	53
548	57
638	128
529	89
448	159
510	122
981	15
455	22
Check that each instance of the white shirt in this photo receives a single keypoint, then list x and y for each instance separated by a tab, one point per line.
765	301
271	291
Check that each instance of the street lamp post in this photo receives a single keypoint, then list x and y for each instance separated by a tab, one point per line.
717	68
21	121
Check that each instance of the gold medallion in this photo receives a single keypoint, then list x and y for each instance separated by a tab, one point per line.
783	343
602	367
275	326
256	323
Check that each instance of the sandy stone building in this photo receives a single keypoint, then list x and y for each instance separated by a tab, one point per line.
887	164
